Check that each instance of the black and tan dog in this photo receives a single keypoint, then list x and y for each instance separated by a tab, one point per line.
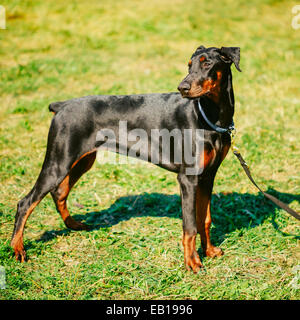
72	143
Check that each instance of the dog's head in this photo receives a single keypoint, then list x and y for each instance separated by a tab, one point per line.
207	68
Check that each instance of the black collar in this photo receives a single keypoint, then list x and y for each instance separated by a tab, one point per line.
213	126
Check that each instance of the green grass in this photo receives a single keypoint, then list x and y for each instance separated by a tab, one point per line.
52	51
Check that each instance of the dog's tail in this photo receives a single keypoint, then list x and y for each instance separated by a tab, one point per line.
56	106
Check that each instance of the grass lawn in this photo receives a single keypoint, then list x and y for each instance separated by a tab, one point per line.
54	50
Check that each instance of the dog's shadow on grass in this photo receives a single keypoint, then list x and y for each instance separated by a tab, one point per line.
230	212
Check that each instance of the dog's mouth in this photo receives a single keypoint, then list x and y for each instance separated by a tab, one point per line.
196	89
208	87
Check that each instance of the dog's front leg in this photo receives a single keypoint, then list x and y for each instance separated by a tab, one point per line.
188	192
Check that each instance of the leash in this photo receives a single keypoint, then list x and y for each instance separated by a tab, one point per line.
232	131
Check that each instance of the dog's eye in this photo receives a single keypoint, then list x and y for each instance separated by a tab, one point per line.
190	63
225	59
202	58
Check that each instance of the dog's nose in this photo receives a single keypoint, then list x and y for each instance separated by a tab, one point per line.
184	88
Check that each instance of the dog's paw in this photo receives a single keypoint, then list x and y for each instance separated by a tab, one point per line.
213	252
20	254
18	247
75	225
193	262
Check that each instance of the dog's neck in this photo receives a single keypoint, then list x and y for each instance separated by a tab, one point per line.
221	112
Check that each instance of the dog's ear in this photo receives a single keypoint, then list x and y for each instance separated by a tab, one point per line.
231	54
198	50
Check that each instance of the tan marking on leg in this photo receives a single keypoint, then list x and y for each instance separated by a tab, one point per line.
82	156
203	219
82	165
17	241
191	257
206	158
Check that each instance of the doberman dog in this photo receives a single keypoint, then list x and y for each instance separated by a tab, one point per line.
72	144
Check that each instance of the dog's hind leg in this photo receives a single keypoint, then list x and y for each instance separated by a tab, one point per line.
45	182
57	166
60	194
58	181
